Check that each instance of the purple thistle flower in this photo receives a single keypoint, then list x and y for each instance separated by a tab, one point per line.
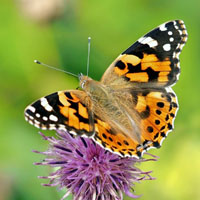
88	171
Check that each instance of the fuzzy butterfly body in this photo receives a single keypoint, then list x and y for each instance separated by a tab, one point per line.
133	107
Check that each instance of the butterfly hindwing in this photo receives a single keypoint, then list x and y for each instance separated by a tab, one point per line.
115	142
156	110
152	61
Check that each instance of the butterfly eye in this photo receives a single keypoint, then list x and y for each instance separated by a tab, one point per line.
83	83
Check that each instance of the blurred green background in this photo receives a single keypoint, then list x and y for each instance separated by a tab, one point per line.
57	35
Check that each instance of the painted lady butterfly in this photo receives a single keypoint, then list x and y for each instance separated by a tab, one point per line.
133	107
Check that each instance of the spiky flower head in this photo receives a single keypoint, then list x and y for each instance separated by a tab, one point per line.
88	171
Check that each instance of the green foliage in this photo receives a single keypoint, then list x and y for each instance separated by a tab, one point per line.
113	26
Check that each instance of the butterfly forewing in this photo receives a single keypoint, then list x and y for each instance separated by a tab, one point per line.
64	110
152	61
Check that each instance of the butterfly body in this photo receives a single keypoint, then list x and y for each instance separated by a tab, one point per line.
133	107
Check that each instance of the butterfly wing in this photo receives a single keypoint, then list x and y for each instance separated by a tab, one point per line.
152	61
156	110
64	110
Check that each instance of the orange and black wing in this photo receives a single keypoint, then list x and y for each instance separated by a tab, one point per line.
156	110
64	110
152	61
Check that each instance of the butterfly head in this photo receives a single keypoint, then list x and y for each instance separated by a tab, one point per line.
84	80
91	87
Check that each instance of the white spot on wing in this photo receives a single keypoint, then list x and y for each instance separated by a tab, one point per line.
153	43
43	127
53	118
36	122
31	117
45	104
62	127
37	125
31	108
167	47
148	40
180	32
162	27
72	132
37	115
171	39
52	126
141	39
170	33
44	118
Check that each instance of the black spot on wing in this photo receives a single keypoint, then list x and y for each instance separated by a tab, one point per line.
175	105
145	114
104	136
172	115
126	142
158	112
53	100
160	104
156	144
134	69
163	134
135	97
150	129
157	122
169	126
119	143
68	95
156	136
120	65
153	75
168	97
139	154
110	139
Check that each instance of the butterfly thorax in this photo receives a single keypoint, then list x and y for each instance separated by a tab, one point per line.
108	106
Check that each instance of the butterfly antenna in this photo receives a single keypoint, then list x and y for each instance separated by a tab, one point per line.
88	58
40	63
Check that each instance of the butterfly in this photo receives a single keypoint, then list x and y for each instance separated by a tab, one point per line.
133	107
